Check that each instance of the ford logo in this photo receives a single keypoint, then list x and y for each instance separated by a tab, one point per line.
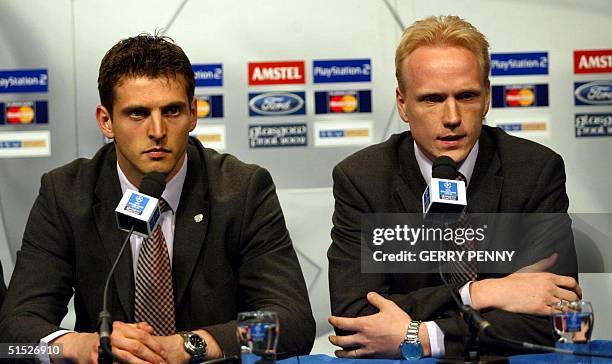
595	93
276	103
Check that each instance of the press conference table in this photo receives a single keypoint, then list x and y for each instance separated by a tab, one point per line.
600	346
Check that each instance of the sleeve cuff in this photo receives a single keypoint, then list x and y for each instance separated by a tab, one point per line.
436	339
464	292
44	358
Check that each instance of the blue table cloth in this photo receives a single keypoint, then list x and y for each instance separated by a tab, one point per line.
601	346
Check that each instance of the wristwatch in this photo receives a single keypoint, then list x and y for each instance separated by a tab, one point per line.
195	345
411	345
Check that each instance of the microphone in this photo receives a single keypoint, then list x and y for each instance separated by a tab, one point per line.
137	213
444	194
140	210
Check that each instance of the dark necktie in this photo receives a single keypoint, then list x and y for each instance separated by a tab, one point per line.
154	298
463	271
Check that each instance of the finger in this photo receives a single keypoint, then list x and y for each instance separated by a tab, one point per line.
377	300
137	341
350	354
145	326
564	294
345	323
540	266
347	341
569	283
127	357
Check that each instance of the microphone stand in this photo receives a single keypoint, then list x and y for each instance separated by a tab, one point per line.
105	352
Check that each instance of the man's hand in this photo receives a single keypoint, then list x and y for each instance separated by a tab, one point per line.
132	343
376	335
530	290
135	343
77	347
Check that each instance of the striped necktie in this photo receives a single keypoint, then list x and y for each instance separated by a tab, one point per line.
154	298
463	271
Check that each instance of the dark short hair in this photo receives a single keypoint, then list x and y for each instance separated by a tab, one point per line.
143	55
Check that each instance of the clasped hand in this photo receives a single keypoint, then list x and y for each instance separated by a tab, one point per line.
377	335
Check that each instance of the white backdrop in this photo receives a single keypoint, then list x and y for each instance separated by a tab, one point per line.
69	37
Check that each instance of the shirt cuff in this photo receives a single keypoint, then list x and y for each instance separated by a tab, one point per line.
436	339
464	291
44	358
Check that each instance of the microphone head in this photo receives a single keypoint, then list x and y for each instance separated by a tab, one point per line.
444	167
153	184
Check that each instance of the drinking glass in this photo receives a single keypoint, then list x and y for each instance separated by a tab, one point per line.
573	325
257	334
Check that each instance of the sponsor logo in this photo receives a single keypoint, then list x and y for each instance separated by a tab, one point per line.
593	61
511	64
207	75
209	106
137	203
212	136
516	127
277	103
25	144
519	95
593	93
343	133
276	73
342	70
343	101
448	190
24	81
24	112
587	125
282	135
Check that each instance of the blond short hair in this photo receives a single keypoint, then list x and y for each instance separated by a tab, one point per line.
442	30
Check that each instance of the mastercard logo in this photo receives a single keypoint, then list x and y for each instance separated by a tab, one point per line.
343	103
520	97
203	108
21	114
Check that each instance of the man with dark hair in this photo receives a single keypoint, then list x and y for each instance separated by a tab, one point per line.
442	68
222	246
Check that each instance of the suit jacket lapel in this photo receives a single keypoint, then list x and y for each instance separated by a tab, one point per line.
108	192
189	232
411	183
484	191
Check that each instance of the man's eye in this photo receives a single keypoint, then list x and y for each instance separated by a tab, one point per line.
138	113
173	110
467	96
433	98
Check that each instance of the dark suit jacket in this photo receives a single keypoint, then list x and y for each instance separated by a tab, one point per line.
2	285
239	258
510	175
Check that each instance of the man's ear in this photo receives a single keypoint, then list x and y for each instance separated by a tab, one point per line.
194	114
487	98
400	102
104	122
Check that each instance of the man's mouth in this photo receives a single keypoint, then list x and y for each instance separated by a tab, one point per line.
157	152
451	140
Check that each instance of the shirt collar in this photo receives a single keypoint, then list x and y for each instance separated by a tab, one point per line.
172	192
466	168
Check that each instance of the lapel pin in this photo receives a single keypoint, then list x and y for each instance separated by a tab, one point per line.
198	218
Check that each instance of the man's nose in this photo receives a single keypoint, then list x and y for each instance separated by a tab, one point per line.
157	128
452	116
